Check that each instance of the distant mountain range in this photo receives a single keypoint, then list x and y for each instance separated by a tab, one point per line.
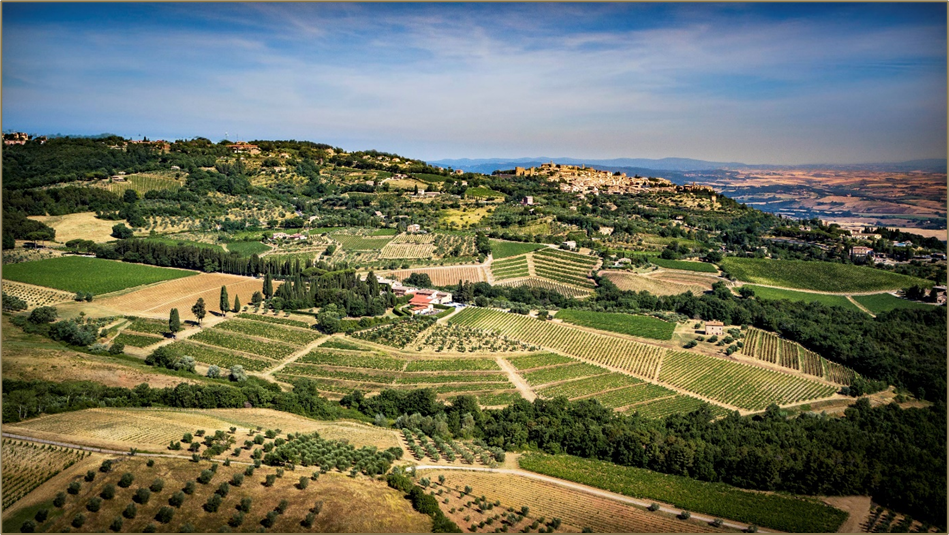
646	166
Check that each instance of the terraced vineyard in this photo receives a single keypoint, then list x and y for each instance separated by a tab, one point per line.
399	334
218	357
634	325
460	339
583	387
452	365
424	379
636	358
561	266
748	387
528	362
441	276
136	340
769	347
36	296
230	340
147	326
680	404
562	373
348	360
535	282
410	246
352	242
633	395
289	335
510	268
27	466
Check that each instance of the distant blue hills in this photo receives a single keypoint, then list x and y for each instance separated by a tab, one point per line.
645	165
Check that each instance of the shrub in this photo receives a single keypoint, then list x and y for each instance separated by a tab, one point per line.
279	472
317	507
165	514
189	487
270	519
685	515
237	479
127	480
130	511
142	495
60	499
205	477
116	524
187	527
94	504
309	520
41	515
654	507
270	480
282	507
157	485
213	503
28	527
245	504
106	466
249	471
717	523
90	475
150	528
177	499
108	492
73	488
78	520
150	463
236	520
223	489
304	483
187	438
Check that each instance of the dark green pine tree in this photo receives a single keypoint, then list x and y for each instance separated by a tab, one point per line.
225	302
237	304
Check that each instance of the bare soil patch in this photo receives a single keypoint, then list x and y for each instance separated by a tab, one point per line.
81	226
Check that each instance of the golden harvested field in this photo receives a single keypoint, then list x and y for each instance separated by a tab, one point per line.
36	296
124	428
83	226
576	509
30	364
441	276
352	505
157	301
685	278
634	282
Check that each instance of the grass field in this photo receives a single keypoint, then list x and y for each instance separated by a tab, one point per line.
503	249
82	226
685	265
880	303
635	282
819	276
482	192
763	292
144	182
174	241
247	248
774	511
93	275
644	326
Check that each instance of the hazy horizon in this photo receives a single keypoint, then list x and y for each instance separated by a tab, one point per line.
753	83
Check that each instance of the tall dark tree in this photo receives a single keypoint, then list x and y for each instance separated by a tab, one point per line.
237	304
225	302
174	322
268	286
199	310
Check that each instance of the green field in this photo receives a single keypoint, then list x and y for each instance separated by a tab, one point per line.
776	511
830	300
504	249
361	243
819	276
174	241
92	275
247	248
685	265
384	232
482	193
644	326
428	177
879	303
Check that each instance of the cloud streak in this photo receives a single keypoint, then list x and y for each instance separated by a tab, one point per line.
431	80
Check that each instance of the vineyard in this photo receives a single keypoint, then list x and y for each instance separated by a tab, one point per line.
684	265
346	360
744	386
624	397
441	276
136	340
92	275
352	242
27	466
569	509
290	335
819	276
143	183
769	347
534	282
452	365
668	406
561	266
639	359
584	387
634	282
510	268
775	511
147	326
562	373
229	340
644	326
528	362
504	249
460	339
339	343
217	357
880	303
410	246
36	296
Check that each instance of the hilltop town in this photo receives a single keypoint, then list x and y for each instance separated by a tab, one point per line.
587	180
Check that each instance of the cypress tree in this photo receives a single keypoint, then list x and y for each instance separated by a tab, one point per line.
268	286
225	302
174	322
237	304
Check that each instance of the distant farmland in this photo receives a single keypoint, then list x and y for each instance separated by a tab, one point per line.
819	276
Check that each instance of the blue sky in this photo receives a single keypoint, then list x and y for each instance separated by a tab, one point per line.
759	83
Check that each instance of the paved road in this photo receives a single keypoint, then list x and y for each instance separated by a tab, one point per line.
583	488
